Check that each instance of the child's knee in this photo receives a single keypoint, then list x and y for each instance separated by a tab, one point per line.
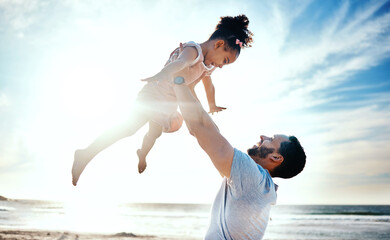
175	121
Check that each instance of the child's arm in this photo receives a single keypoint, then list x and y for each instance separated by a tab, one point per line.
186	57
210	93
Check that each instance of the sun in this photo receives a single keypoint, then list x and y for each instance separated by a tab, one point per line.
87	92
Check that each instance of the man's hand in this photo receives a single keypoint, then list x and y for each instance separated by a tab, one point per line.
158	76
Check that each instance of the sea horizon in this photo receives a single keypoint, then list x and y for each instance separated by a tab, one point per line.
2	197
190	220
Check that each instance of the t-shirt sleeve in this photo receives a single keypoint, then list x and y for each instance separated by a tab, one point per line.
244	174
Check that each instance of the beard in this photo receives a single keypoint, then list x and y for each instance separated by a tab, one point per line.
261	151
253	151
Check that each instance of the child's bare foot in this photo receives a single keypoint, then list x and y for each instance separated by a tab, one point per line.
141	161
80	162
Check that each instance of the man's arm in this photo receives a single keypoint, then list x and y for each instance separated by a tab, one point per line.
204	129
192	88
210	94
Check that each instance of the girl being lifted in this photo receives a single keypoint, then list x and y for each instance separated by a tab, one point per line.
156	102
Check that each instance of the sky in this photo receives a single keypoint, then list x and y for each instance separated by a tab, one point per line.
319	70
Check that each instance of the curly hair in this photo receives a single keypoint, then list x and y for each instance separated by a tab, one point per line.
232	28
294	159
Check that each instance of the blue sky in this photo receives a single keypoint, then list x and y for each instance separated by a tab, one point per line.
317	69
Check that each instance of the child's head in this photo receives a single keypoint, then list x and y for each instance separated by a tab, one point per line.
230	35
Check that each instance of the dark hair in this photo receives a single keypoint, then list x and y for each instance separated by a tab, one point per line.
294	159
232	28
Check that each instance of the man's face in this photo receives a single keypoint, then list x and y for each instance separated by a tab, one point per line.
267	145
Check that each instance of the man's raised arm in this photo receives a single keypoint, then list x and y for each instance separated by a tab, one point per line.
204	129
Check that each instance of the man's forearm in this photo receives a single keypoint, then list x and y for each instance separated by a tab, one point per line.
191	109
205	130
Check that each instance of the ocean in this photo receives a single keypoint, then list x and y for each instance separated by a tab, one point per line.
314	222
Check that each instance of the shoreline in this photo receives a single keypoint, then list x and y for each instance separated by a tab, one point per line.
16	234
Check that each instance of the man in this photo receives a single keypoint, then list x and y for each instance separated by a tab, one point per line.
242	206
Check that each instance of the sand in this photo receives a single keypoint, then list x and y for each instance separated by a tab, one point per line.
52	235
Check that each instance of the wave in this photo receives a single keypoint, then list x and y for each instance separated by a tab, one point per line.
367	213
346	210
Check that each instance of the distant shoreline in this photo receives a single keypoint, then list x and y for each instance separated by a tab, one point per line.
22	219
2	198
18	234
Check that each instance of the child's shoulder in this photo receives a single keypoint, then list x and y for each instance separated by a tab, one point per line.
195	49
191	49
193	44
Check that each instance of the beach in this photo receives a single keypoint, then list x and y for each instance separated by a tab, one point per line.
53	235
41	220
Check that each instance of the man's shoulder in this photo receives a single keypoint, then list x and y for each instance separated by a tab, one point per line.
243	160
244	170
250	174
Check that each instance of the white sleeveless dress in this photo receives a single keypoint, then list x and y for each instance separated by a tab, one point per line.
158	96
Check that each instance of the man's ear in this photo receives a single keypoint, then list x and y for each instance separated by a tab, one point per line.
219	43
277	158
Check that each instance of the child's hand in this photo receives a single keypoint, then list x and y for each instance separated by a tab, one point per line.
215	109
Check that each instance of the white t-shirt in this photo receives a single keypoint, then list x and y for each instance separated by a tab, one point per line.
242	206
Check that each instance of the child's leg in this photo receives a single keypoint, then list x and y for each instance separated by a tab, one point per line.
83	156
155	131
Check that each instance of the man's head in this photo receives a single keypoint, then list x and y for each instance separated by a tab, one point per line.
282	156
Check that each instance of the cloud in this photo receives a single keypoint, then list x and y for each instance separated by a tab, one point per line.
293	68
19	14
312	90
4	101
339	51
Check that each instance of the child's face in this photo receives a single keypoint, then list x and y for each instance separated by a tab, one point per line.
220	55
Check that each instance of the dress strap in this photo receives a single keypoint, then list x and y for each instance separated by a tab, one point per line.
198	49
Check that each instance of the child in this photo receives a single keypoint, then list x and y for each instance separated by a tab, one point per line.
156	102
